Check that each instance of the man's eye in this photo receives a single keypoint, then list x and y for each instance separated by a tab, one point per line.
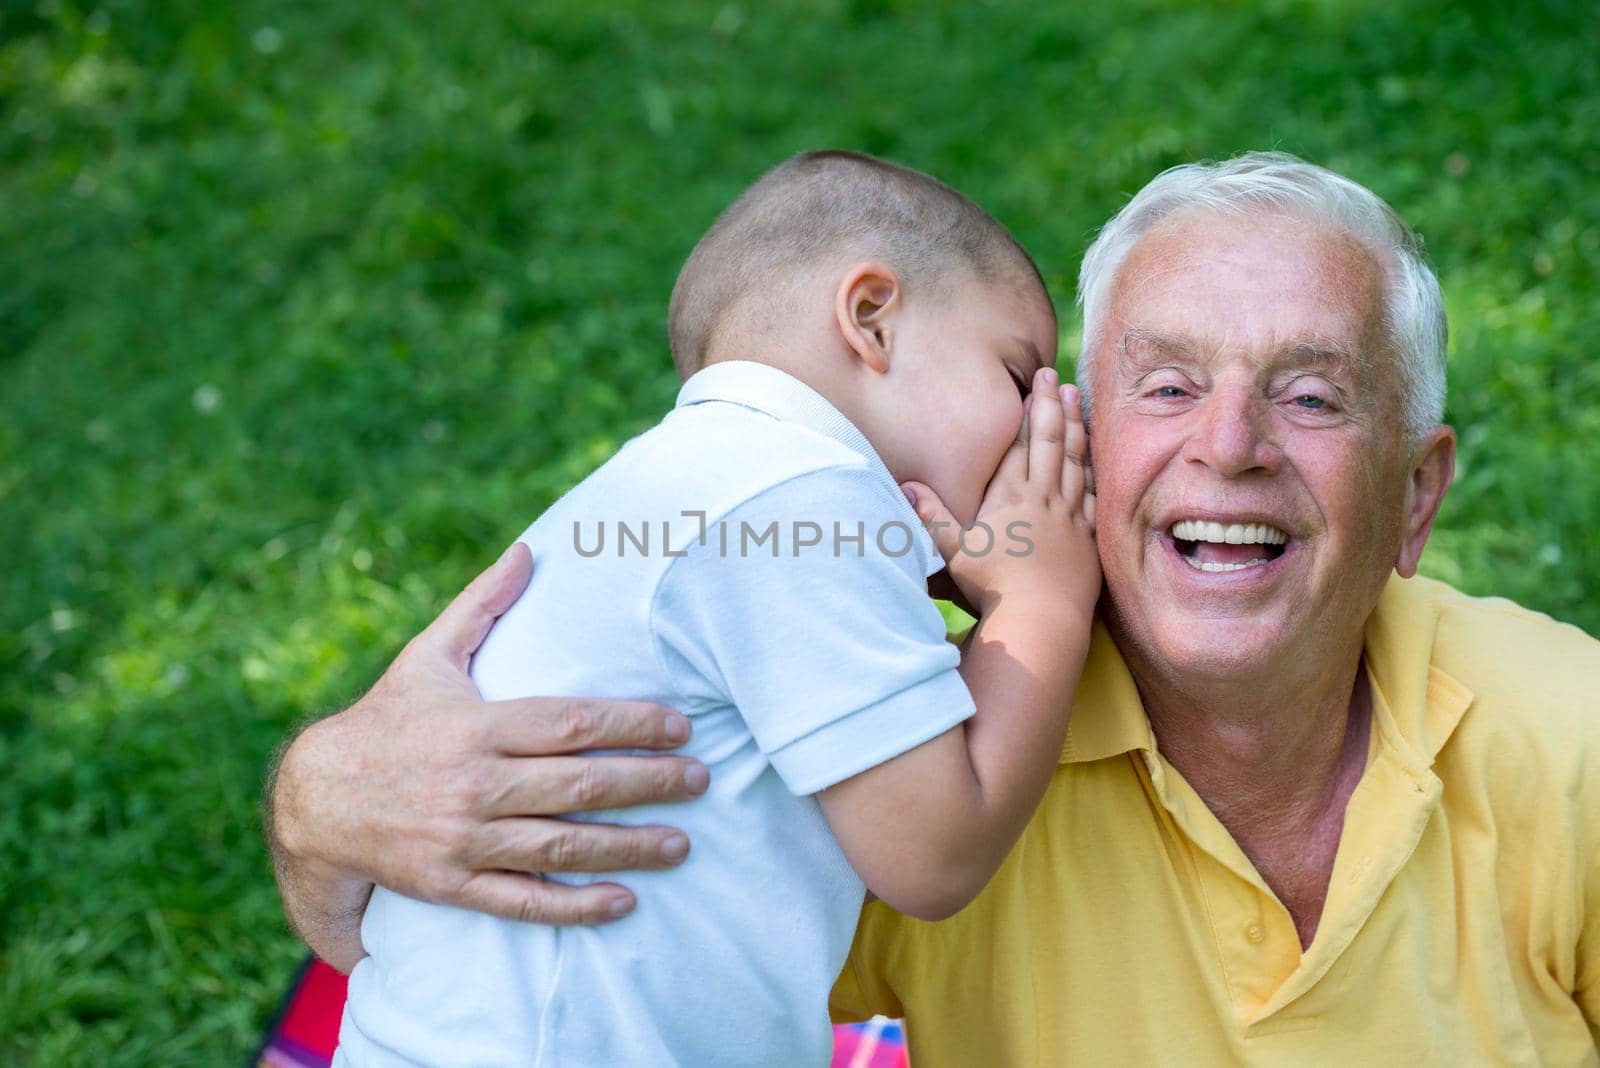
1167	392
1311	402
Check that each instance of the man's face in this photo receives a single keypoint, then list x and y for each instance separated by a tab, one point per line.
1251	473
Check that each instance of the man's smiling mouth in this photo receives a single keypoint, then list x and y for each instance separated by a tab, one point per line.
1210	546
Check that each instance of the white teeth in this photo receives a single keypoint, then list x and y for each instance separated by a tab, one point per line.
1210	566
1232	534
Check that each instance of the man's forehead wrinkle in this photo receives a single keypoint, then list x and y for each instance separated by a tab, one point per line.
1149	264
1346	275
1189	238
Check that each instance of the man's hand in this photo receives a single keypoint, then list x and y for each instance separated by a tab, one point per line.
429	790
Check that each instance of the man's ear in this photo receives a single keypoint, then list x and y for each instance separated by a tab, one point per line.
866	305
1432	471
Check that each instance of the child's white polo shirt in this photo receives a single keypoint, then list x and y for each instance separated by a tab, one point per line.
751	562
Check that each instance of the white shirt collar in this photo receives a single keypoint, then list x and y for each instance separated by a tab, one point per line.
781	395
766	389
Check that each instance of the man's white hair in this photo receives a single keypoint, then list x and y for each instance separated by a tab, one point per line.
1414	317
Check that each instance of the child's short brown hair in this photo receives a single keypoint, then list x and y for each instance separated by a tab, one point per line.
817	207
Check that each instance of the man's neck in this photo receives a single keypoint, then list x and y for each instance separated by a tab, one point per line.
1275	760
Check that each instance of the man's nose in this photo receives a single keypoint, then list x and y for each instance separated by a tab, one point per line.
1232	434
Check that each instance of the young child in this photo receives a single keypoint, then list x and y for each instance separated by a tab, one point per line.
846	326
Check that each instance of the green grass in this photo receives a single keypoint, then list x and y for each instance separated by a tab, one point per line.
306	310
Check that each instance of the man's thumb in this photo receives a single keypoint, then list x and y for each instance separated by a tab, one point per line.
465	622
935	517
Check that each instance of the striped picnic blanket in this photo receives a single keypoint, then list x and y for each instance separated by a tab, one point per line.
306	1029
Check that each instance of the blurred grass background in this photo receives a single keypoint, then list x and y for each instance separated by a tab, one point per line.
307	309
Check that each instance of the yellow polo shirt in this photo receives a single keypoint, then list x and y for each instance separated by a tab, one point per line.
1462	924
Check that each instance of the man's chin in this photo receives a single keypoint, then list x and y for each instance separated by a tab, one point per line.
1209	649
1238	660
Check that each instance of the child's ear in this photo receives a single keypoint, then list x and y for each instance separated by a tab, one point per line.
866	305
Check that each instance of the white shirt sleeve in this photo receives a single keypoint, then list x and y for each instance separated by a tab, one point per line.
834	654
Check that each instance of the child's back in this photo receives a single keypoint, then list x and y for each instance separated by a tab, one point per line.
749	933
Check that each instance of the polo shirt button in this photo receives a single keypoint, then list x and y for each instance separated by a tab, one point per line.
1255	933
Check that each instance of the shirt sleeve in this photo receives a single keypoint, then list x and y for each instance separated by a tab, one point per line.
832	651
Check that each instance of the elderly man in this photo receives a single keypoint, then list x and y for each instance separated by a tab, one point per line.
1310	808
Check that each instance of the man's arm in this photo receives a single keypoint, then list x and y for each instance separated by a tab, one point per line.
429	790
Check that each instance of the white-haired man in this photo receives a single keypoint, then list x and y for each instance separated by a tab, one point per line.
1309	809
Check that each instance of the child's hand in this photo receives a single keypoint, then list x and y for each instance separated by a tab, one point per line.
1032	542
926	829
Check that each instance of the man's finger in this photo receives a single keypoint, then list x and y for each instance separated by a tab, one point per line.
528	899
551	726
462	626
558	784
1046	429
553	845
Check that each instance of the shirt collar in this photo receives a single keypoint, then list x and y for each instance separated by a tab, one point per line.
1416	705
1107	716
779	394
763	388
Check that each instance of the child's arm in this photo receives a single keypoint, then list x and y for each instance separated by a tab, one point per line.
926	830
